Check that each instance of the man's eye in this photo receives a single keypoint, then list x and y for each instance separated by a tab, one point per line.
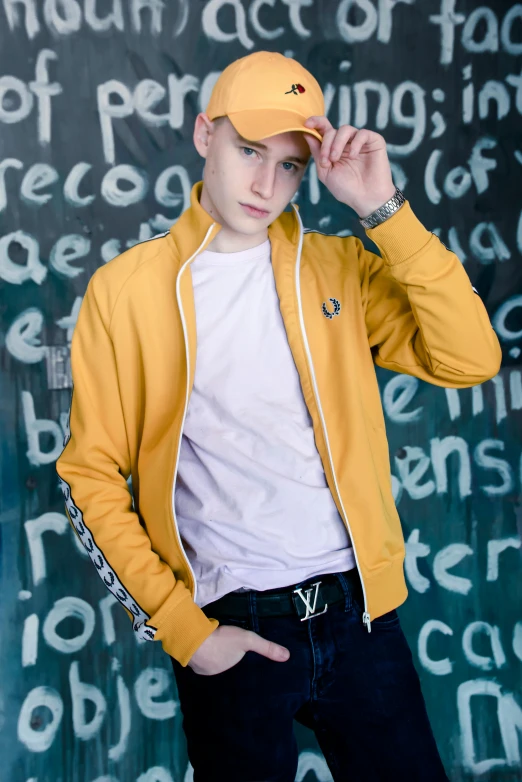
289	164
248	149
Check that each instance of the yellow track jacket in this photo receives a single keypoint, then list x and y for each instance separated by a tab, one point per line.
133	356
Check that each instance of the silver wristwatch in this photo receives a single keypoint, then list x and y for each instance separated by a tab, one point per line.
383	212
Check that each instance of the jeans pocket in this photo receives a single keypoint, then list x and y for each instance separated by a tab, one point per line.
207	677
234	621
389	618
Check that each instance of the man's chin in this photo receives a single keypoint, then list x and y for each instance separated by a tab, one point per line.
247	226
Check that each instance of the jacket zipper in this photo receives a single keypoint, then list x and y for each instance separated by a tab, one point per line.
187	354
366	615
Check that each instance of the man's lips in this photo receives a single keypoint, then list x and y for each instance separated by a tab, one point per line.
254	210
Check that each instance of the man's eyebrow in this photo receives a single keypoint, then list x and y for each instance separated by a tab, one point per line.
258	145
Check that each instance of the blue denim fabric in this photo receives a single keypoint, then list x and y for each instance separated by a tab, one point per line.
358	691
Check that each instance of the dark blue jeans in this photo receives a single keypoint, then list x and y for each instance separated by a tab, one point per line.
358	691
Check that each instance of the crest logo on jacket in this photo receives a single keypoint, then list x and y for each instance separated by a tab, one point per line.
336	308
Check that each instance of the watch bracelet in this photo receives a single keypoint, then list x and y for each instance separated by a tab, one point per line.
385	211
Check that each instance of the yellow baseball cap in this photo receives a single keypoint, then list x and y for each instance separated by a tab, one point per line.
266	93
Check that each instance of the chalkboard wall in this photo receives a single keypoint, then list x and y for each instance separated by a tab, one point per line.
97	106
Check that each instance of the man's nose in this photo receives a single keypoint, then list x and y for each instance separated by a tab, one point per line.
264	182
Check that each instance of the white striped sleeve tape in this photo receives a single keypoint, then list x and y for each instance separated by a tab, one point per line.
105	571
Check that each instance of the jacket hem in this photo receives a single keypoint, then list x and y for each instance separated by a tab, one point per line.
387	588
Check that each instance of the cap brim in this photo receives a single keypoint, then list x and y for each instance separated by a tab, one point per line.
256	124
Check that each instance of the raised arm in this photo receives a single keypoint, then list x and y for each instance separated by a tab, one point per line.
423	316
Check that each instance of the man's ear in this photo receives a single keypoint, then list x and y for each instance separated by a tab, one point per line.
203	129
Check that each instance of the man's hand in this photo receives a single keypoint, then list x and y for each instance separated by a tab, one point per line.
227	645
353	164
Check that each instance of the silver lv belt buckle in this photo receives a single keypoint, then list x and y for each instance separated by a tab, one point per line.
310	609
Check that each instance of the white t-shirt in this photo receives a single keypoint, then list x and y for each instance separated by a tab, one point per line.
253	506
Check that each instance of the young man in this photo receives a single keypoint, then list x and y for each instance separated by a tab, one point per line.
227	366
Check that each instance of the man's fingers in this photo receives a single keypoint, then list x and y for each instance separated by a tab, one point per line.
335	141
322	124
314	144
328	139
345	134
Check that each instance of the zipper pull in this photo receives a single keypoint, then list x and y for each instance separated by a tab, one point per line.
366	621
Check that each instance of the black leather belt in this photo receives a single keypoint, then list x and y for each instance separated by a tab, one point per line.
307	599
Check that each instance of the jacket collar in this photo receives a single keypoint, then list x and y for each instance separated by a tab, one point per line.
194	224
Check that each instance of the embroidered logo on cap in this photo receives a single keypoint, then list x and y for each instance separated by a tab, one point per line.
296	89
337	308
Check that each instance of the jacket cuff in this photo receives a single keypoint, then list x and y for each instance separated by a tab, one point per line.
183	630
400	236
